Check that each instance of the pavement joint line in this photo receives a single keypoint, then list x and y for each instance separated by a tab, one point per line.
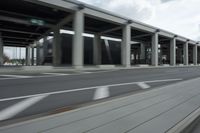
19	107
143	85
83	89
101	92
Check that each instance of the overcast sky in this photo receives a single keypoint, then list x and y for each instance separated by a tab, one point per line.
179	16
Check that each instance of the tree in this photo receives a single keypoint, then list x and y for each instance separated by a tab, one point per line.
5	58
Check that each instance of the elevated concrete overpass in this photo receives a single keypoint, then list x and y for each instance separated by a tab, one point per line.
21	25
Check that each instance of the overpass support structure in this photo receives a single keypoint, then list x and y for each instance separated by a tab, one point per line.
139	43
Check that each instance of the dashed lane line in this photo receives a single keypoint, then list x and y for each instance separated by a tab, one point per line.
143	85
83	89
19	107
57	74
101	92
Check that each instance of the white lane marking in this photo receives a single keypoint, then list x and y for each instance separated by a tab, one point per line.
101	92
86	72
19	107
82	89
16	76
59	74
143	85
49	76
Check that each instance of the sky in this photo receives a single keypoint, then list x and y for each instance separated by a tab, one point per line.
181	17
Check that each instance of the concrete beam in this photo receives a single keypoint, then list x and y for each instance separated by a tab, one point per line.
14	45
21	21
143	27
16	42
138	36
20	38
181	39
26	16
110	30
154	57
173	51
19	31
166	34
125	47
78	43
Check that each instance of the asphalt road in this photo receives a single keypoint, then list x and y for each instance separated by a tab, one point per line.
28	94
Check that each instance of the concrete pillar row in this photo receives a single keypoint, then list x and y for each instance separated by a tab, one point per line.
126	47
195	54
1	50
173	51
78	44
97	50
28	56
185	52
57	48
154	57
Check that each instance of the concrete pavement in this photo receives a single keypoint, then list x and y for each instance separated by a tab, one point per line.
166	109
68	90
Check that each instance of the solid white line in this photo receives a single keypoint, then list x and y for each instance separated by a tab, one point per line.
19	107
16	76
101	92
143	85
59	74
82	89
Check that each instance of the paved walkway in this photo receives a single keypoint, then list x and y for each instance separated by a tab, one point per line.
155	111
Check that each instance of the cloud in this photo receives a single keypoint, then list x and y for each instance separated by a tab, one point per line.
179	16
135	9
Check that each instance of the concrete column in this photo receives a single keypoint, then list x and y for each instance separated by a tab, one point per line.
32	56
195	54
125	46
78	43
154	57
173	52
142	51
97	49
57	48
28	56
1	51
185	52
37	53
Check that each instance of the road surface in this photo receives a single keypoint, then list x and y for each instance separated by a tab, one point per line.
26	95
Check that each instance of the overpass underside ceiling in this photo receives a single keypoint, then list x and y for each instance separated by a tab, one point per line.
93	26
21	22
179	43
164	40
140	36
